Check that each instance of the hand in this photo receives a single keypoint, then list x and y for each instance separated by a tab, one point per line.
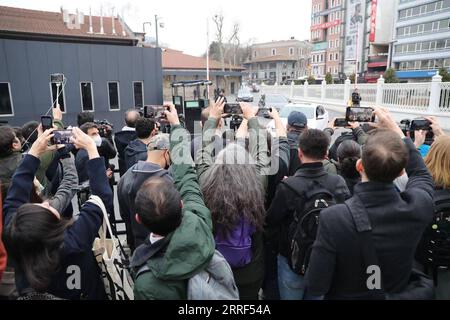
386	121
216	109
247	110
57	113
109	173
41	144
353	125
82	140
419	138
274	114
437	130
331	124
172	115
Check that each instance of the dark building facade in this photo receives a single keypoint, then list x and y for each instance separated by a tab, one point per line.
106	72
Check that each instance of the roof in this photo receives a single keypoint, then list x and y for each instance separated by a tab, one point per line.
273	58
282	43
173	59
34	22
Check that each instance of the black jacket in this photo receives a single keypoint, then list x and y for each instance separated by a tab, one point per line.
78	238
294	162
134	152
122	139
336	268
281	212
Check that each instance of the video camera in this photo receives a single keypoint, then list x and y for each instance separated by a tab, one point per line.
408	127
104	128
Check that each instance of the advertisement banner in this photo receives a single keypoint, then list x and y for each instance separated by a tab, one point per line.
354	34
326	25
373	20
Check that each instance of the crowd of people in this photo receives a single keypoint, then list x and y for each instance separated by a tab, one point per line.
297	214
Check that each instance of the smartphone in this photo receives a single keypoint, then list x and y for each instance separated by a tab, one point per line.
155	112
46	122
232	108
420	124
62	136
359	114
341	122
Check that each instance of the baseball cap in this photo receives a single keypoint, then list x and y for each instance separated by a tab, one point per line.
159	142
297	119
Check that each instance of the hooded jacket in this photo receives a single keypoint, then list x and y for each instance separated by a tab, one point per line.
173	260
127	189
134	152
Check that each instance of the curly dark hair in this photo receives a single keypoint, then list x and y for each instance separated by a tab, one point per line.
233	191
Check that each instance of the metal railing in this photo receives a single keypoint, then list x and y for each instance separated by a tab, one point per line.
407	96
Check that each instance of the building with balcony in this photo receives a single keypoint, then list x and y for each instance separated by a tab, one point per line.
421	43
279	61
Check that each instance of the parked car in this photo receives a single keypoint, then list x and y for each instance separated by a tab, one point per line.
316	114
244	95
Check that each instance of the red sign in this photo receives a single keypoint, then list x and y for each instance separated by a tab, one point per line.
373	21
326	25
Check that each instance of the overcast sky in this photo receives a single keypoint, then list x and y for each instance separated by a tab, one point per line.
185	20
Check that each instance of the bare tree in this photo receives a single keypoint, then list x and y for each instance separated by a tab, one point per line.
234	41
218	20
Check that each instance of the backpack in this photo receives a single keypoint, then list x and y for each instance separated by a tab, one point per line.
215	282
303	229
434	250
236	245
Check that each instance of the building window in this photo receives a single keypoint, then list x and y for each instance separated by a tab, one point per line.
138	93
113	95
331	57
337	43
87	97
56	90
291	51
254	54
6	105
337	57
274	52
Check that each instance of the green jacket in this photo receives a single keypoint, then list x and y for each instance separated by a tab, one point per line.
188	250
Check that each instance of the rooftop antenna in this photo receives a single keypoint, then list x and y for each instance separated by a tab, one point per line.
101	20
113	22
90	21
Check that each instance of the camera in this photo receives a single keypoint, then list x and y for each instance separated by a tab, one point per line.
61	137
341	123
359	114
409	127
235	122
104	127
232	108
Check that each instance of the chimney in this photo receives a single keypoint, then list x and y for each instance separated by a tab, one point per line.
113	22
102	31
90	21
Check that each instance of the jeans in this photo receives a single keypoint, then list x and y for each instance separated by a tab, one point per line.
292	286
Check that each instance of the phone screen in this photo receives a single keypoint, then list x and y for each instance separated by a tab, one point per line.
232	108
359	114
340	122
46	122
62	136
420	125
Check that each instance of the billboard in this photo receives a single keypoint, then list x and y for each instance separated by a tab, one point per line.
326	25
373	20
354	33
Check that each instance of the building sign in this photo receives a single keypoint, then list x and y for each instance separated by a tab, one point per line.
373	21
320	46
326	25
354	34
326	12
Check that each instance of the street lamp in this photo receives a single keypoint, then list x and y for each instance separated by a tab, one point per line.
143	25
161	25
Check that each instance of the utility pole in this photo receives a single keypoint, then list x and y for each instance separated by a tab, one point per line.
156	26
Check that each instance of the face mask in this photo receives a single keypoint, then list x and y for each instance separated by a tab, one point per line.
97	140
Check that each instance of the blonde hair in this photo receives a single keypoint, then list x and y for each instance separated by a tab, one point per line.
438	161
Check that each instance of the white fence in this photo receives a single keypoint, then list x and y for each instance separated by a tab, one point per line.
431	98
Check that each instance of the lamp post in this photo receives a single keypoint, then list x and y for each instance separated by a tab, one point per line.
161	25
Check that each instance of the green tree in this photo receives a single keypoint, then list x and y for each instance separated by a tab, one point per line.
329	78
390	76
443	72
352	77
311	79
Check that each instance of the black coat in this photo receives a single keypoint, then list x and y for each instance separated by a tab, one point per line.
281	212
398	220
121	140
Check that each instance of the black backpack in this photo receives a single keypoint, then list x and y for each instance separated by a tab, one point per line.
434	250
303	229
